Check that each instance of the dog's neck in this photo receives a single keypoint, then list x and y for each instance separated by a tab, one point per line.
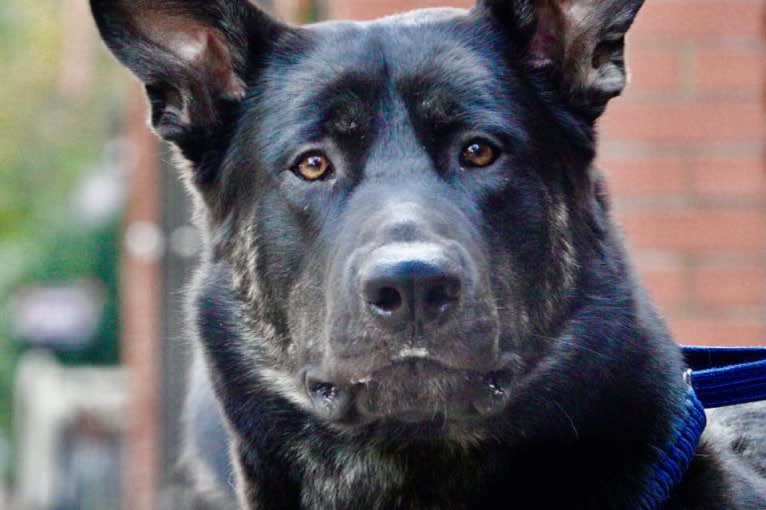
308	465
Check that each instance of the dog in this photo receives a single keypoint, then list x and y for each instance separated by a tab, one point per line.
412	293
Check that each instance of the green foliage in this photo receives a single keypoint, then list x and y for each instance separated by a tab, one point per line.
48	139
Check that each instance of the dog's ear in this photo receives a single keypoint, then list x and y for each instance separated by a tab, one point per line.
581	42
192	55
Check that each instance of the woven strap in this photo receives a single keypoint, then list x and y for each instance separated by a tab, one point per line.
672	461
724	376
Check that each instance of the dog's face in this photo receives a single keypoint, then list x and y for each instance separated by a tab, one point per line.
401	207
407	226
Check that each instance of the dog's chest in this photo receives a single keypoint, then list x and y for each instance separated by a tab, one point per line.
372	479
347	479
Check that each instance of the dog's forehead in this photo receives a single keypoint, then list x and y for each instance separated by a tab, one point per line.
441	57
415	17
399	47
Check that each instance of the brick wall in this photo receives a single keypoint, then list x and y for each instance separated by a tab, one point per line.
684	152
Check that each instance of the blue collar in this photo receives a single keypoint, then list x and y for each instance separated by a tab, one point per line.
717	376
672	461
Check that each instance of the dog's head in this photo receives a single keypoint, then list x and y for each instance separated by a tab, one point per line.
402	208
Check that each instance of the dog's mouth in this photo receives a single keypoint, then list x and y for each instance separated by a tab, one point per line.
412	389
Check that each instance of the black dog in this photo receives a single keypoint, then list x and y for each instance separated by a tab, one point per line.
412	295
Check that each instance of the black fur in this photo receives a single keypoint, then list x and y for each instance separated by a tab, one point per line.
409	331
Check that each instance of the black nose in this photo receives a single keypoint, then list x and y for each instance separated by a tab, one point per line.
411	290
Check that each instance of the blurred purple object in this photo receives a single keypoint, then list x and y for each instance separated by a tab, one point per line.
58	317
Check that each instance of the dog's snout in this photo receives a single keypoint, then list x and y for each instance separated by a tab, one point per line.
406	284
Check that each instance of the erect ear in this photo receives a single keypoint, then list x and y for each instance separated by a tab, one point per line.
193	56
582	42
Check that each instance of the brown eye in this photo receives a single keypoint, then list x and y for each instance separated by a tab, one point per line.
313	167
478	154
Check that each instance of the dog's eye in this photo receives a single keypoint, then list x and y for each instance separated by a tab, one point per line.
478	154
313	167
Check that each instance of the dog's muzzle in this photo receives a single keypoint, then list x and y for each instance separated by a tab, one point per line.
412	328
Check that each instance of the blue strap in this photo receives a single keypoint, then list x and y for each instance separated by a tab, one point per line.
672	460
725	376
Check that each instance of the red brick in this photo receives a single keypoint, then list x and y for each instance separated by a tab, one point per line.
730	178
665	285
641	177
716	231
447	3
730	286
700	18
652	70
731	72
707	331
687	122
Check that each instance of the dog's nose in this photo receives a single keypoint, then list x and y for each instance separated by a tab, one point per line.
411	285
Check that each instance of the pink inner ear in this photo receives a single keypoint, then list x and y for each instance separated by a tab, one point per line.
546	45
541	48
201	49
217	61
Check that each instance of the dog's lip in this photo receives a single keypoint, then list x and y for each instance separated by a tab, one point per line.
413	356
406	355
334	397
485	393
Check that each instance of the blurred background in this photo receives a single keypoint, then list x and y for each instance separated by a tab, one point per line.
96	245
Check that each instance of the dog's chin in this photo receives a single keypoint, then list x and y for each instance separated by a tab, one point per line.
415	391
